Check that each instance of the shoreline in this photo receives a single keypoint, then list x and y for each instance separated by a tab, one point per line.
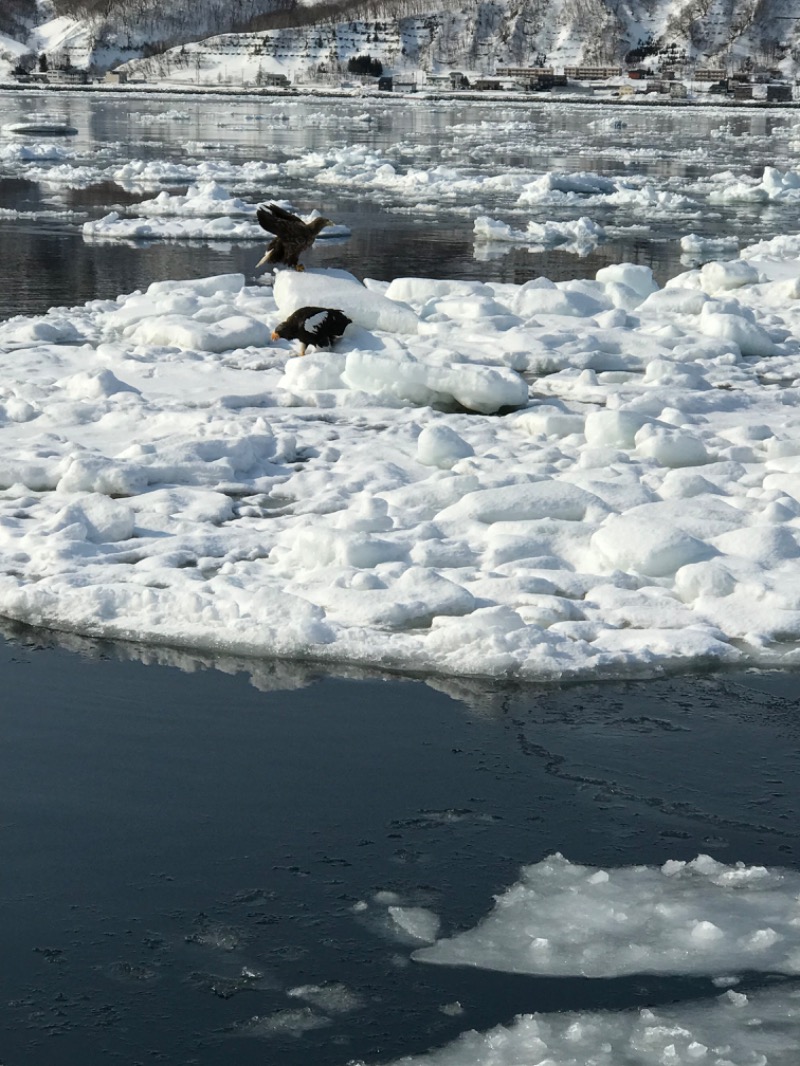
434	96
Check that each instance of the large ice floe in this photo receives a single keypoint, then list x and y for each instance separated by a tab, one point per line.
683	918
539	480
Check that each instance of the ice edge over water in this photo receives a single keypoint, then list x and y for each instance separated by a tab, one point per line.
682	918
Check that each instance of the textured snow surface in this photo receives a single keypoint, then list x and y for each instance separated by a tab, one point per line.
537	480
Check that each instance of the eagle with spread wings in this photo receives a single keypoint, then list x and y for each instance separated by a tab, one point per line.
291	235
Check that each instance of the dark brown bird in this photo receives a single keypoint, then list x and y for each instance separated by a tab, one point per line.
292	236
320	326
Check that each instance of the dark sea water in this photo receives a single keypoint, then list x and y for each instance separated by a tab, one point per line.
183	846
185	842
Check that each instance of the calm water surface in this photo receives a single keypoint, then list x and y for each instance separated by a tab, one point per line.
185	842
184	846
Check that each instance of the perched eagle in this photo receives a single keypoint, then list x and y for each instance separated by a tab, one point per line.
320	326
291	235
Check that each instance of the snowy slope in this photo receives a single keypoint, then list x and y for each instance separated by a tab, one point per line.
478	35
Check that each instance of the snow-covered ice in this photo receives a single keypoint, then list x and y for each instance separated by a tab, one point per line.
732	1029
539	480
698	917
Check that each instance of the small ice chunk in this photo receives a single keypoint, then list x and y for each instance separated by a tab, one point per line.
416	922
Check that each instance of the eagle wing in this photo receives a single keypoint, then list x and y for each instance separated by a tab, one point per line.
317	322
282	224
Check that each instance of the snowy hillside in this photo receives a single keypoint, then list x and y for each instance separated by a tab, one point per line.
271	37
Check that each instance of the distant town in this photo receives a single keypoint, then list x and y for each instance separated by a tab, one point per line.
677	80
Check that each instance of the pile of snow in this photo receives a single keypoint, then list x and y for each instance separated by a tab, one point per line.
538	480
696	247
594	189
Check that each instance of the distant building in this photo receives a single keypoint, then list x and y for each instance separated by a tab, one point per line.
116	77
35	77
779	93
677	90
68	77
534	79
710	74
385	84
592	73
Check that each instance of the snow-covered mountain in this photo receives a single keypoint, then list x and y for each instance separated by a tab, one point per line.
243	41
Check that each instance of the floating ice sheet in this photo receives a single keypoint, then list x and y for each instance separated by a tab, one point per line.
699	917
733	1029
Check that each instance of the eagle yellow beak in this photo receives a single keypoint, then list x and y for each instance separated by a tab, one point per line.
275	336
